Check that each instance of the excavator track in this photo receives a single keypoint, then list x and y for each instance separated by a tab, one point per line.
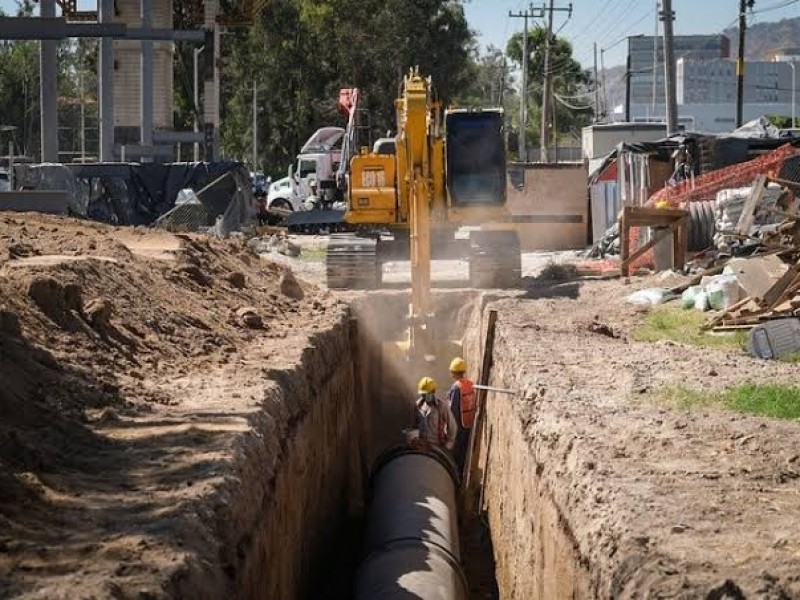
495	260
353	263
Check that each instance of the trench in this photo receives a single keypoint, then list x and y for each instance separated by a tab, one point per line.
291	524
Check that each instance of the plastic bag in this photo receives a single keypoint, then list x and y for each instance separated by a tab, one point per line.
689	295
722	291
701	301
650	297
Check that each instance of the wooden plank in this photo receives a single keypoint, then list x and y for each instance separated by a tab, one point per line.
624	240
469	496
659	214
724	328
640	252
776	291
785	182
753	200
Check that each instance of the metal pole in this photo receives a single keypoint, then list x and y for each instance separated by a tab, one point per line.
794	94
544	133
83	113
655	59
596	87
667	16
628	87
740	64
146	135
48	85
197	52
12	180
255	126
211	87
523	97
106	85
603	72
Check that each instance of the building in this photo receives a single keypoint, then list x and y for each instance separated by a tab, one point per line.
714	82
646	61
706	117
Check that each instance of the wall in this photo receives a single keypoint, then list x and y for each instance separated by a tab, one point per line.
284	510
552	211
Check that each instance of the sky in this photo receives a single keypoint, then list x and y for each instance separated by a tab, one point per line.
603	21
607	22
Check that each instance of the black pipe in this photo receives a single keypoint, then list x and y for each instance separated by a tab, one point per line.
412	545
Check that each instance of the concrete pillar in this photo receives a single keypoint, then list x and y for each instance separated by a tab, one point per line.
106	84
147	80
48	86
211	87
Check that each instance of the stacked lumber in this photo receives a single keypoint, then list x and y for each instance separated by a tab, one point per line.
780	301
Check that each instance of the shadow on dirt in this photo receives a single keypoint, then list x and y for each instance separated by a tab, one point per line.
66	488
536	289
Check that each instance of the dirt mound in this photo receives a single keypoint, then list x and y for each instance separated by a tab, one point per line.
97	327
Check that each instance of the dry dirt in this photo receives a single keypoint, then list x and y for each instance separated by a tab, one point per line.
594	491
129	360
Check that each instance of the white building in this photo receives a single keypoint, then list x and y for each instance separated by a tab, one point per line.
708	117
714	82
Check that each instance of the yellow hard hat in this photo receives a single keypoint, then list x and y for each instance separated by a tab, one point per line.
458	365
426	385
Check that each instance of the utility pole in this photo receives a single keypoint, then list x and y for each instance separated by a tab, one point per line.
544	134
668	16
628	89
596	87
743	6
255	126
603	71
529	13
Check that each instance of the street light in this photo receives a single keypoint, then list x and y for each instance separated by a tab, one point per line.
197	52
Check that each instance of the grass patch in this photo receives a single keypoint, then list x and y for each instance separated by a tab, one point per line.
313	254
670	322
772	400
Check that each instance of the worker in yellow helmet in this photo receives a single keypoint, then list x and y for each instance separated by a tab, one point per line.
461	398
434	419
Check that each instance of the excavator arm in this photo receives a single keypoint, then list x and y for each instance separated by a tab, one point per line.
414	133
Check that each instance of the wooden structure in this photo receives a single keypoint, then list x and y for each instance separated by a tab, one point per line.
672	220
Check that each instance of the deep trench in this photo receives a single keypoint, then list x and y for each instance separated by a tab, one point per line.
347	401
383	389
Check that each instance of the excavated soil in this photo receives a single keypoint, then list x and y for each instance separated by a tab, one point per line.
155	389
595	491
179	418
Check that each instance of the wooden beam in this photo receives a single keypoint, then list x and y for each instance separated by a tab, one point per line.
625	266
469	495
751	204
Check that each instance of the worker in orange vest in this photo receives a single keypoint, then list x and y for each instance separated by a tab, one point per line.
434	419
462	404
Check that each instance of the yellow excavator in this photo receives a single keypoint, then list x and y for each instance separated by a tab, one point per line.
447	170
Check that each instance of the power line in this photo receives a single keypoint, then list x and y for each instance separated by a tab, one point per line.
777	6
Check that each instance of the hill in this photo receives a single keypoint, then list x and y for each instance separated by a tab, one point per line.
762	40
765	38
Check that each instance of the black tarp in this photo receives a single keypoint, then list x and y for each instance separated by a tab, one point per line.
138	194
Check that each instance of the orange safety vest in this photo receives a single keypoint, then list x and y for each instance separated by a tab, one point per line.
468	407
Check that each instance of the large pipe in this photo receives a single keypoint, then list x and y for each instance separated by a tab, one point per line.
412	546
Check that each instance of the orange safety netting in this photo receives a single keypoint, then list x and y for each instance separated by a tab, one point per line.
706	186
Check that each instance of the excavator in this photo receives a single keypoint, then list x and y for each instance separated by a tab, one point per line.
447	171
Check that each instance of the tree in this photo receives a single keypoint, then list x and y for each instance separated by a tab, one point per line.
490	81
301	52
569	79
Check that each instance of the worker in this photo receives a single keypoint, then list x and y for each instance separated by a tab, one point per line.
434	419
462	404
